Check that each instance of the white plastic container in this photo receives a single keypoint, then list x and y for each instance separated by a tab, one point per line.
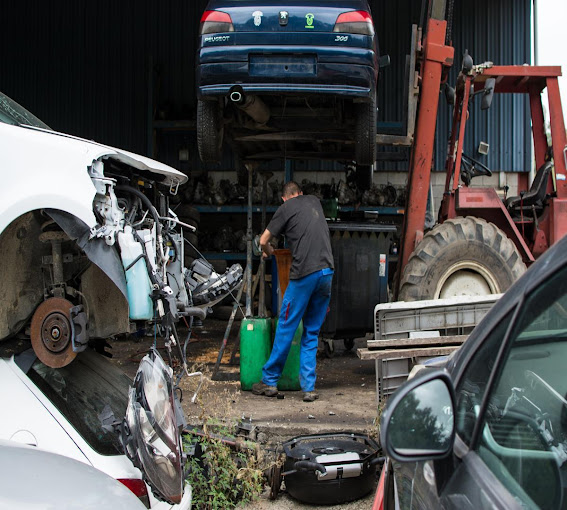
138	283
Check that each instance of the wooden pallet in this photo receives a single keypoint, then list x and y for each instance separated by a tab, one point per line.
411	347
386	352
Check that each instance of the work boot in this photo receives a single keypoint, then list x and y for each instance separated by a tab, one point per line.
310	396
263	389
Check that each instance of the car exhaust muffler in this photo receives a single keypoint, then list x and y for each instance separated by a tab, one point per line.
252	105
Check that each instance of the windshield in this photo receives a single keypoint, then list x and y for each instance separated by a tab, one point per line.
84	391
12	113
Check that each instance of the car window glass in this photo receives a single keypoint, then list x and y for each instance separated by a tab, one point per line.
472	386
12	113
82	391
524	436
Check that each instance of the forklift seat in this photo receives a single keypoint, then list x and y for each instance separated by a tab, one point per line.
536	194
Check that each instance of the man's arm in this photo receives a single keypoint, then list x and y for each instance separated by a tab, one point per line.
267	248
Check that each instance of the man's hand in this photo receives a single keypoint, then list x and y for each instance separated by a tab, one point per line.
268	251
267	248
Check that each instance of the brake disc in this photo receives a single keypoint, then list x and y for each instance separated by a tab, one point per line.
52	332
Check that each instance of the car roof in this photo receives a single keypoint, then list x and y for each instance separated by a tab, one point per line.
548	264
33	478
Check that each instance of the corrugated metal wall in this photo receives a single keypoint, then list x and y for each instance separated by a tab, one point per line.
498	32
84	67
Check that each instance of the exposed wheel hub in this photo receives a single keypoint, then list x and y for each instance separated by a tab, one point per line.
52	332
466	279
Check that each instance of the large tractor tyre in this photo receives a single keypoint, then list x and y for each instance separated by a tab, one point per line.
364	177
209	131
463	256
365	132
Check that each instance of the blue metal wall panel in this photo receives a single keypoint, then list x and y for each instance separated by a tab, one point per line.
83	67
498	32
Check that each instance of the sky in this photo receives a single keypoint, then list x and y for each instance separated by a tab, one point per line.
552	50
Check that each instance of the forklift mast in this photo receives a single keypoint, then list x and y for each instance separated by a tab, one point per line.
436	59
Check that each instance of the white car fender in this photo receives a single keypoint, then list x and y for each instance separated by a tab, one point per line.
45	171
48	170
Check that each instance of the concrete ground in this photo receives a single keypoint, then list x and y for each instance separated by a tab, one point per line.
346	386
345	383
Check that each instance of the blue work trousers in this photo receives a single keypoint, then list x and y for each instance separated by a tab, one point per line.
306	298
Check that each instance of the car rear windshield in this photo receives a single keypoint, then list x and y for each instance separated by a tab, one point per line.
84	391
12	113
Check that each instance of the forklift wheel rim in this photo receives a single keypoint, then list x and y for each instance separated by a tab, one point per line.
475	275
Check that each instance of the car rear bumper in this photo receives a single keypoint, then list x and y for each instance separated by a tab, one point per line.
323	78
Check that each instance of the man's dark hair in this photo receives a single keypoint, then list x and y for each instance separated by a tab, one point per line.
290	188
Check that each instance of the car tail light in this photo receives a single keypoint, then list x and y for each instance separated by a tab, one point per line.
379	497
214	22
138	487
355	22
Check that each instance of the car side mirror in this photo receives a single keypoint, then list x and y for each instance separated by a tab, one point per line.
384	61
418	422
488	93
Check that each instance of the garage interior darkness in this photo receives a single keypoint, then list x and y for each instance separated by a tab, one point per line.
111	71
123	74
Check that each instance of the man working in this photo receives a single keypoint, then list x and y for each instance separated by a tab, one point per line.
307	296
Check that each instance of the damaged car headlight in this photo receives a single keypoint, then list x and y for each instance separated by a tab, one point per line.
206	286
151	436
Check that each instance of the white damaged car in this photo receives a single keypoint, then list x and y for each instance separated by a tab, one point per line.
91	249
89	245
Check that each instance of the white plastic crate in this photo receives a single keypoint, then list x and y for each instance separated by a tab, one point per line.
455	316
440	317
390	375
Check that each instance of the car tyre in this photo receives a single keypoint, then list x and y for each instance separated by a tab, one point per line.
209	131
188	212
365	132
466	254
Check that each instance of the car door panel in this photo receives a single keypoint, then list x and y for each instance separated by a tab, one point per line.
474	486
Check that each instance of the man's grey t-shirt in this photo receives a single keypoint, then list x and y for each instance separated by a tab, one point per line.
302	221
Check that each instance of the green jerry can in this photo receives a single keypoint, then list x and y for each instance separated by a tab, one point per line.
255	348
290	375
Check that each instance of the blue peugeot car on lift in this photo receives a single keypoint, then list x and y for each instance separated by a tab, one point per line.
293	79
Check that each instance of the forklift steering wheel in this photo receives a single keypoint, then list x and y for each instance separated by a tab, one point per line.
475	168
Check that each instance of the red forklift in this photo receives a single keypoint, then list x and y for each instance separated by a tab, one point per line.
482	242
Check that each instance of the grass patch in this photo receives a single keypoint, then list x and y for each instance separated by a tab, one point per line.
224	470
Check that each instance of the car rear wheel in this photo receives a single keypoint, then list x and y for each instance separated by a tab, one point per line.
365	132
463	256
209	131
